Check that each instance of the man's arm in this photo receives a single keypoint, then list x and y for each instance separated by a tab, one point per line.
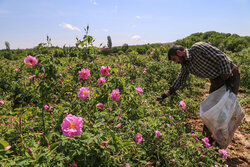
176	84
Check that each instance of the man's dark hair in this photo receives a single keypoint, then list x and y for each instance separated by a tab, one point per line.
172	50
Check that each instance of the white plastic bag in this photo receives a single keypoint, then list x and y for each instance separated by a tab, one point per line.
222	114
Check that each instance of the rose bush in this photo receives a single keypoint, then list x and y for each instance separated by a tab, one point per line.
98	121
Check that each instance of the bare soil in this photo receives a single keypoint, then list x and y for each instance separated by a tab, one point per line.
239	149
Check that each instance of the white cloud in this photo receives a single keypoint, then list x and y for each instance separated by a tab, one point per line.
138	17
70	27
136	37
94	2
133	26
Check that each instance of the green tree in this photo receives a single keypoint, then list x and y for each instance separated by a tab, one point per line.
49	41
124	47
7	45
109	42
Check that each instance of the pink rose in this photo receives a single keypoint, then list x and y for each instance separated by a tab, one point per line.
139	90
138	138
206	142
30	61
105	70
115	95
72	125
83	93
84	73
105	143
158	134
101	80
30	150
48	108
224	153
100	105
182	105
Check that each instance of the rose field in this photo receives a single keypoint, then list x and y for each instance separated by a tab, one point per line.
88	106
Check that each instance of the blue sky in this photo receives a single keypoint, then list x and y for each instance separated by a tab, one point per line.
26	23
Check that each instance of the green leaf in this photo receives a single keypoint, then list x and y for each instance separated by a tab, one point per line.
54	145
18	109
3	144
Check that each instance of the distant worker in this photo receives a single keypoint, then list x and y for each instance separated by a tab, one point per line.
205	61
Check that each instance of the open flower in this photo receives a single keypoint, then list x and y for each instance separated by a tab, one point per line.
206	142
101	80
223	152
138	138
105	70
72	125
48	108
1	102
158	134
139	90
182	105
83	93
115	95
30	61
84	73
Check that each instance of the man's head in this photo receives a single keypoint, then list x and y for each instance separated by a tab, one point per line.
177	54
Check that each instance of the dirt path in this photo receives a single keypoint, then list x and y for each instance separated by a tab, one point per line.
239	148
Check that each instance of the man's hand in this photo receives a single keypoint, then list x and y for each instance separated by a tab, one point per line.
159	98
162	97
